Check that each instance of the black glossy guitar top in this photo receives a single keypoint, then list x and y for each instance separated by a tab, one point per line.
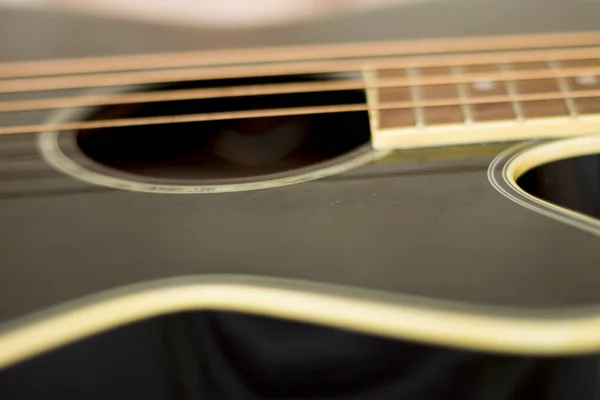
420	230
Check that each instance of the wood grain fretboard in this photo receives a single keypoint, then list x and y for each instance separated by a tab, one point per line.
486	102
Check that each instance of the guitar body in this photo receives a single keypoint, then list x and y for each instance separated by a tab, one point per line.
427	252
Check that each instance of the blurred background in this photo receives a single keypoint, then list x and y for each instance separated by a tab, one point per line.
233	13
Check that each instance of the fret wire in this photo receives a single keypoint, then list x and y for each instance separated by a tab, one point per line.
513	92
564	87
416	97
463	94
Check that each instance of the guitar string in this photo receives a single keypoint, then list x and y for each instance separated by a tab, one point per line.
288	88
280	112
341	66
292	88
291	53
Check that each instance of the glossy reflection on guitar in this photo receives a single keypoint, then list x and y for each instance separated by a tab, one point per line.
407	219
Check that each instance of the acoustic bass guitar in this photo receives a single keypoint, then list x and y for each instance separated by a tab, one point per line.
399	204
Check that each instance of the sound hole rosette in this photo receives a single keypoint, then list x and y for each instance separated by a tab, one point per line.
61	151
505	170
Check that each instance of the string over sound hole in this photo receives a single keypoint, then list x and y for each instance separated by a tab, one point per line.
229	149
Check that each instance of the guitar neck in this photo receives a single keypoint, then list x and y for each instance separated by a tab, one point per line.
419	94
471	103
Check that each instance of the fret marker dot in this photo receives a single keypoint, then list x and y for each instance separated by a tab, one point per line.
586	80
483	85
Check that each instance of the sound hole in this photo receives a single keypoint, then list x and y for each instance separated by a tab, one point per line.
231	148
572	183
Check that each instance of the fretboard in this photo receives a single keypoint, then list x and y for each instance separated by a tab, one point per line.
432	106
419	94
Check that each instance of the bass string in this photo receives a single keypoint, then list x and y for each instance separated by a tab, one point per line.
291	88
292	53
281	112
329	67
